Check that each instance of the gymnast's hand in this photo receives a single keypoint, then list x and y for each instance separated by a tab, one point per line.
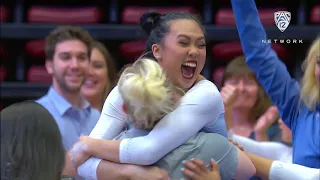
195	169
80	151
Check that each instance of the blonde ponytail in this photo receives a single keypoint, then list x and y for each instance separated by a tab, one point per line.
309	87
147	93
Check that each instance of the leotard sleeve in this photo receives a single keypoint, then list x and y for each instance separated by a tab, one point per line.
270	150
283	171
200	107
112	119
111	123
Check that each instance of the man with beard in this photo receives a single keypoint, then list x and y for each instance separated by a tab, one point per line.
67	60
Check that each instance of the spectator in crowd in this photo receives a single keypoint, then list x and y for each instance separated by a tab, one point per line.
31	145
101	77
248	109
67	60
299	108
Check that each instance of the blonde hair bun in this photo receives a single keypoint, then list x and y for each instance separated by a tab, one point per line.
147	92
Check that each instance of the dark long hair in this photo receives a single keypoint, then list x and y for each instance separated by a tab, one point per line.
31	146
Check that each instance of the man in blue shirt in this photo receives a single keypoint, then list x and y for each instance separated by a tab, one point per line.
67	60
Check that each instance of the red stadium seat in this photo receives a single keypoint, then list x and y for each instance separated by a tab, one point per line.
281	51
38	74
4	14
36	48
226	17
217	76
229	50
132	50
132	14
3	73
86	15
315	15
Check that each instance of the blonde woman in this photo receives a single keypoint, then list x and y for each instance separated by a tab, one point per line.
147	97
299	108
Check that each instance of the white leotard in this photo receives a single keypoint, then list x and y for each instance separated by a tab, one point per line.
201	108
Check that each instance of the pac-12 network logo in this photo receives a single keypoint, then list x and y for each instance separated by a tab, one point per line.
282	19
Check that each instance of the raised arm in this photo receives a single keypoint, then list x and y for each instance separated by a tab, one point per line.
263	60
199	108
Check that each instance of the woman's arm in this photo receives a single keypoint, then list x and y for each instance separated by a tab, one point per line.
262	165
274	170
95	169
110	124
199	107
271	150
219	126
262	59
112	119
281	170
245	169
105	170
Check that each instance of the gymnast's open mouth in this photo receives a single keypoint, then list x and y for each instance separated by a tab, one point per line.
188	69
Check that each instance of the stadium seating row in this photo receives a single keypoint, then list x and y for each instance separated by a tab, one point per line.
131	14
